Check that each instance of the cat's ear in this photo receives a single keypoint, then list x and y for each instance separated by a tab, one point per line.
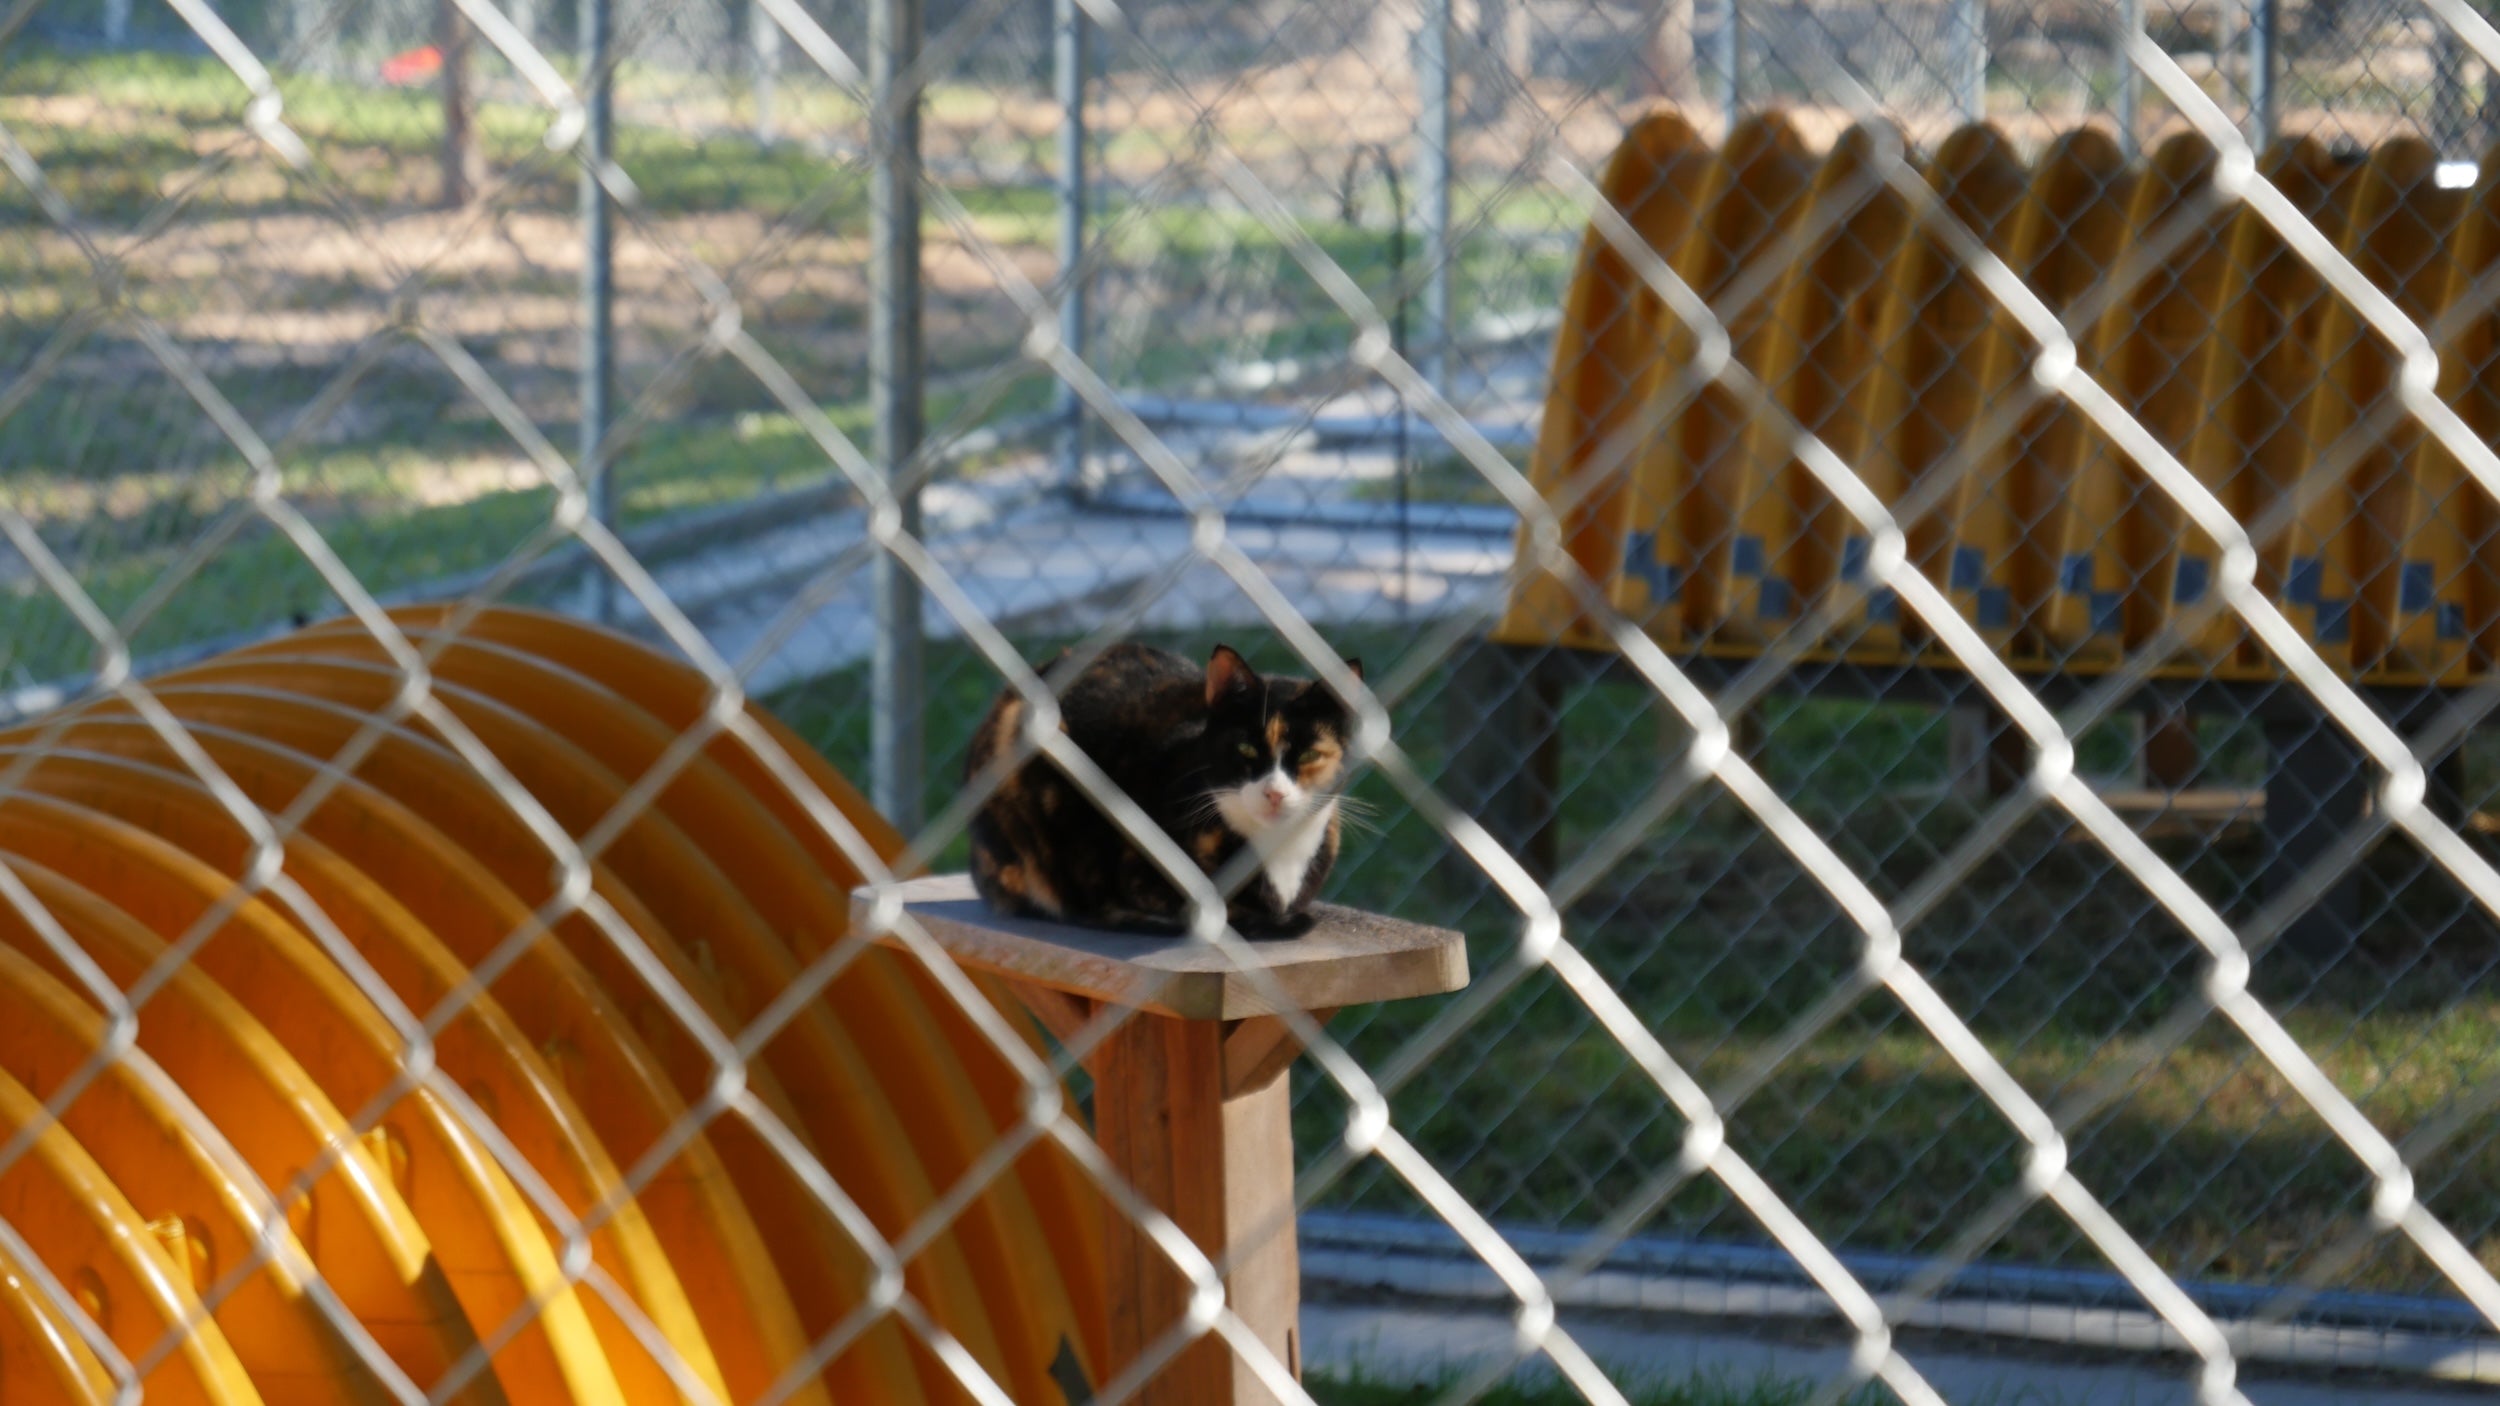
1354	667
1228	676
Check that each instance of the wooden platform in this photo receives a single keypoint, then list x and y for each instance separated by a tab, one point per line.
1191	1104
1351	957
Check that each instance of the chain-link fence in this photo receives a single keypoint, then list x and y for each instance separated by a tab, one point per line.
1926	605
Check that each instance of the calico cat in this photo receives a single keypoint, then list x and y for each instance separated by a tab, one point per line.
1218	757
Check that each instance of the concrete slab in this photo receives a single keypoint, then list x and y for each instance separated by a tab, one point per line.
1423	1343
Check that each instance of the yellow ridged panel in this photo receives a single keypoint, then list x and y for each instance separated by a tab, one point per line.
117	1272
2067	580
497	1260
2253	445
941	1116
1610	380
1679	537
712	1244
2469	379
820	1267
1816	346
1927	393
182	1179
362	1238
495	1065
42	1355
2183	305
2404	545
1063	1194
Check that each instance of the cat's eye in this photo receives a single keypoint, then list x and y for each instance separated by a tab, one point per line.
1249	751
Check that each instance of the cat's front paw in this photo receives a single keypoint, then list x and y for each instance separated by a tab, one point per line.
1265	927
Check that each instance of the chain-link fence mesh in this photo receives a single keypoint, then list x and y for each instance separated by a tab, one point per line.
1926	615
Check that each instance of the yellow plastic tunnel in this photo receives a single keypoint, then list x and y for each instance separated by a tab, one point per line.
606	1179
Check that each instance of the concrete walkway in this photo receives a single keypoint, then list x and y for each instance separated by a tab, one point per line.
1401	1342
1045	567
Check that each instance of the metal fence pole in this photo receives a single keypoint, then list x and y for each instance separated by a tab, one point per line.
598	386
2263	53
896	369
2130	82
1727	56
1432	77
764	52
2448	125
1068	60
1969	27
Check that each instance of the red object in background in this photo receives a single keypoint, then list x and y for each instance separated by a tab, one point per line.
414	66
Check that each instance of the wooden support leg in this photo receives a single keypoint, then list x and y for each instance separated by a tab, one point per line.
1985	755
2447	796
1190	1106
1502	714
2315	788
1215	1153
2171	754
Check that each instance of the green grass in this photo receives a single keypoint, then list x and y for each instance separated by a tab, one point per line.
412	478
1719	943
1442	478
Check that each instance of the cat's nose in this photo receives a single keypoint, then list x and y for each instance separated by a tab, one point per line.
1275	795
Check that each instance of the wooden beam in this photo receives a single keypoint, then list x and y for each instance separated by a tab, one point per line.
1349	958
1259	1049
1222	1169
1056	1011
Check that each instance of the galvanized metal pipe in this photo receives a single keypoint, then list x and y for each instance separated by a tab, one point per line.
897	376
2264	52
1727	57
764	53
2130	81
1068	64
1969	28
1433	82
598	370
2449	125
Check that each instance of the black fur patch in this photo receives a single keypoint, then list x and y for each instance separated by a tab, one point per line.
1170	734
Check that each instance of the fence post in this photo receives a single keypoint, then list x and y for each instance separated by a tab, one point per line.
895	373
598	386
1432	75
1728	57
1068	59
1969	26
2448	124
2316	788
764	52
2263	52
2130	82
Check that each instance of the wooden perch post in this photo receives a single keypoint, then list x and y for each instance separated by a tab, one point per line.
1190	1100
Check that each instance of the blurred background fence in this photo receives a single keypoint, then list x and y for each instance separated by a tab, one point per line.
401	329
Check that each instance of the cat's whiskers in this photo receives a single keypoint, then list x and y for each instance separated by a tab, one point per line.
1358	821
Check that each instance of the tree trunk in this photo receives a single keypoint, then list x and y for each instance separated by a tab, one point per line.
464	165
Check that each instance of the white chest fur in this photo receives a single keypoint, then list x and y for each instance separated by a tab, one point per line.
1282	823
1288	850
